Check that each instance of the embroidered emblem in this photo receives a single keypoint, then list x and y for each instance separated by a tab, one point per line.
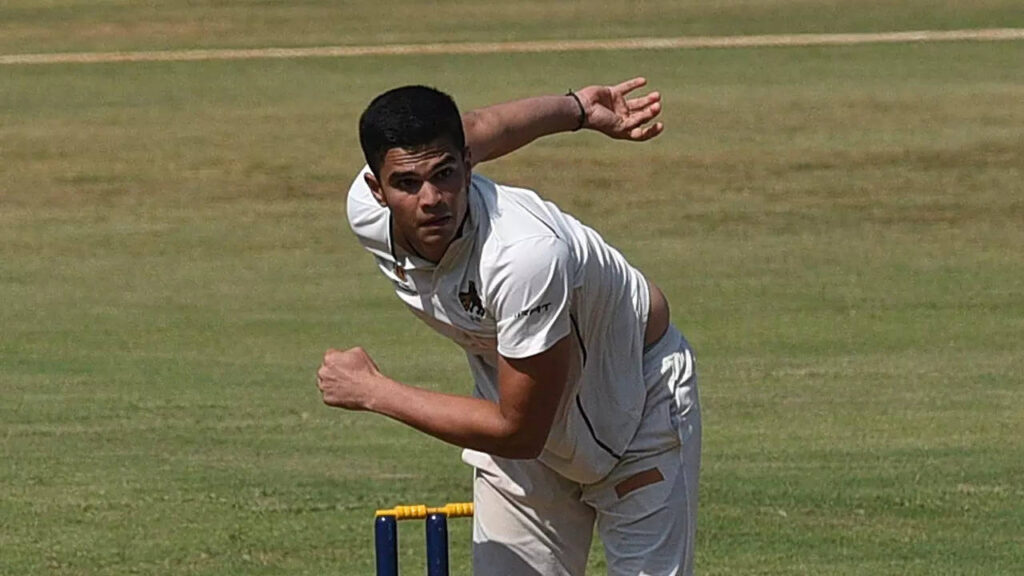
470	301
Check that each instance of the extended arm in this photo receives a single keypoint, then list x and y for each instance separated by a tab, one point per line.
494	131
517	426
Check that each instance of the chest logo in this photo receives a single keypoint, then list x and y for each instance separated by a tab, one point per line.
470	301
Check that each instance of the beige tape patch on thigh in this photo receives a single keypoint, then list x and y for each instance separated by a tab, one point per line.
638	481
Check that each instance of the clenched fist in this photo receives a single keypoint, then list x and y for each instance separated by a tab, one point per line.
348	378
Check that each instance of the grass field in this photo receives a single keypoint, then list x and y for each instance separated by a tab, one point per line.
839	231
67	25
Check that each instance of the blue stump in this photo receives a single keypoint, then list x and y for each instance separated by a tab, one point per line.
385	538
437	545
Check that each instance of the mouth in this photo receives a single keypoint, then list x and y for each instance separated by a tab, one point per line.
436	222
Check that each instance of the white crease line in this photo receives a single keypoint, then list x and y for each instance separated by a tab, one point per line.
685	42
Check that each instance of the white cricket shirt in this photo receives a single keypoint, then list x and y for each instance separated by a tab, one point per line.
521	276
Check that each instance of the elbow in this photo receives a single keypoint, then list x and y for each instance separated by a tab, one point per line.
521	445
524	452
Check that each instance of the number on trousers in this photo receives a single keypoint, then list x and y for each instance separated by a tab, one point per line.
681	365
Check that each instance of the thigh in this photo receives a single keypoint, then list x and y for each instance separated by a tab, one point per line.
647	507
647	512
529	521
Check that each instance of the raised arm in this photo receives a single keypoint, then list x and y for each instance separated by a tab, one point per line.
497	130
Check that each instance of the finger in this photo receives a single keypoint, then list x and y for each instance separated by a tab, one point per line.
645	133
642	117
630	85
642	102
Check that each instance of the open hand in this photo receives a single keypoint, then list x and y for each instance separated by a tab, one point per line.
348	378
611	113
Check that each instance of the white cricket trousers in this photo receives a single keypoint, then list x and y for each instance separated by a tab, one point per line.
531	521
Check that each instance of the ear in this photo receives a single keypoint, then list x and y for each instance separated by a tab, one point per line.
375	188
467	160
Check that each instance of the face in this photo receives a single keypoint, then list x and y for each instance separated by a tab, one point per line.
426	190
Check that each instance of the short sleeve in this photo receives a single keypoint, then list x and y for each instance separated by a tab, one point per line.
531	296
369	220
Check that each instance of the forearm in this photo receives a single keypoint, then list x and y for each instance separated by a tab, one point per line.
516	427
460	420
497	130
494	131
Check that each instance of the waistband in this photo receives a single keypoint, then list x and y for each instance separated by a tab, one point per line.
671	336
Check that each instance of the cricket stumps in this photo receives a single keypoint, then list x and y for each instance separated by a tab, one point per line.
386	535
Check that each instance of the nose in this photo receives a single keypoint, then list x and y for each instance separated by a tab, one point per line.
429	195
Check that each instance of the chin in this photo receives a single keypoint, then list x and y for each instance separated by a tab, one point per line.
435	243
437	237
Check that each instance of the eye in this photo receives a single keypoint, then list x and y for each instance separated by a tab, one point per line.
444	173
408	184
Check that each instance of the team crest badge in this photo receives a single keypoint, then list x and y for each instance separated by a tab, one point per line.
470	301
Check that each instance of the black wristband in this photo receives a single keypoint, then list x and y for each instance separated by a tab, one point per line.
583	111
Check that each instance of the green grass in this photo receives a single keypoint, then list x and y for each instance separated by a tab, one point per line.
58	26
838	230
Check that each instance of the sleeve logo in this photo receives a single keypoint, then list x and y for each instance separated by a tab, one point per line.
535	310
